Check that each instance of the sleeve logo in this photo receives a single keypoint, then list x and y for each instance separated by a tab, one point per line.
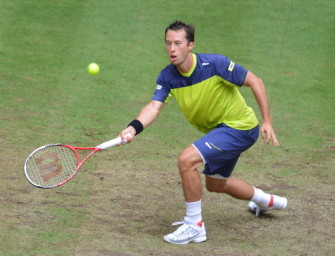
231	66
159	87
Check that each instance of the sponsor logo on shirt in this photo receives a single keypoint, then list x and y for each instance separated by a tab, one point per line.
231	66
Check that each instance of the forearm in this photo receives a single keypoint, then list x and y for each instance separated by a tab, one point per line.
148	114
262	101
144	119
258	89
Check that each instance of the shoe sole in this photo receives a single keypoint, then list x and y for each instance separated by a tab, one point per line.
195	240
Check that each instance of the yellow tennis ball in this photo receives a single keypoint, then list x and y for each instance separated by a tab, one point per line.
93	69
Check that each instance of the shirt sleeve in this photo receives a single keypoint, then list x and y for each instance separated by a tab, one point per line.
230	71
162	92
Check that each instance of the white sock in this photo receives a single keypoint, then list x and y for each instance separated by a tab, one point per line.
261	198
266	200
193	212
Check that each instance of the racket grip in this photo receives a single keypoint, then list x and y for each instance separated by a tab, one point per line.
113	142
110	143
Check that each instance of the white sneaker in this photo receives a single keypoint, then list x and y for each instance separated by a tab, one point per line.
187	233
276	203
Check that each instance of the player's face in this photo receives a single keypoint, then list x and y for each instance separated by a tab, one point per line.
177	47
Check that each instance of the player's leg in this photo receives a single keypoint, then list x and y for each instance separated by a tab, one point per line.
260	200
234	187
188	162
193	228
221	149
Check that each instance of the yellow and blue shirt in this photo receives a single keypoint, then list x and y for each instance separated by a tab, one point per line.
208	95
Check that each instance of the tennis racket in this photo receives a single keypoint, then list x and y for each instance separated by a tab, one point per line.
53	165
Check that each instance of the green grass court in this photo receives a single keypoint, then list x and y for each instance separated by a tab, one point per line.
123	201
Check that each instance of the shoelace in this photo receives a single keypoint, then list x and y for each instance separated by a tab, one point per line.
185	228
182	228
258	210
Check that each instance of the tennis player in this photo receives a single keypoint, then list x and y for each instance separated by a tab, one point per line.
206	87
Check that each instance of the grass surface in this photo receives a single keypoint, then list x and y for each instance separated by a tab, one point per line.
123	201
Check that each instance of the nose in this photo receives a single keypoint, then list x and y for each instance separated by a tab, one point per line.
172	49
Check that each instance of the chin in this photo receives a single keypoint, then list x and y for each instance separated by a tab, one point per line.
174	62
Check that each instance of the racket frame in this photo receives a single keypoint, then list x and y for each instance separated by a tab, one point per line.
80	162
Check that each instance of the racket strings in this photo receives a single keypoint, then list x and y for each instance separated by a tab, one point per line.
51	165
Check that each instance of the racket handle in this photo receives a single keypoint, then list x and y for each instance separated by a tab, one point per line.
110	143
113	142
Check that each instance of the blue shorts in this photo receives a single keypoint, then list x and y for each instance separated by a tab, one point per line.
221	148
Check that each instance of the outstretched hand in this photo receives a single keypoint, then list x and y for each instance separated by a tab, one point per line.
268	134
127	135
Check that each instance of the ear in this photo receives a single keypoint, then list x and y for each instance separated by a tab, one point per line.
190	46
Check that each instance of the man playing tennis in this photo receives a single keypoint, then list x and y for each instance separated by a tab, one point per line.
206	88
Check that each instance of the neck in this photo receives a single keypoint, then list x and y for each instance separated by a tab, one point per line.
186	66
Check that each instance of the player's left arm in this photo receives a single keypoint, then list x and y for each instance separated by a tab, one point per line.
258	88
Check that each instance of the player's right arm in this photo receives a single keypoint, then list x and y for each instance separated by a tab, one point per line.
146	116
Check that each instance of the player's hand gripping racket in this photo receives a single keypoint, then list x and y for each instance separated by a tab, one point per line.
53	165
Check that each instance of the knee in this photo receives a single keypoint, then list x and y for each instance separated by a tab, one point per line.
216	185
184	162
188	160
213	188
210	188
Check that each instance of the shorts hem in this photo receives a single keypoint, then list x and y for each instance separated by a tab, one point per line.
202	157
216	176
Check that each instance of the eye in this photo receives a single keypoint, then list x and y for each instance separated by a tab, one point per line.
168	43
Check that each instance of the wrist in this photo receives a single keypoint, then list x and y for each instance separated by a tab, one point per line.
132	130
137	125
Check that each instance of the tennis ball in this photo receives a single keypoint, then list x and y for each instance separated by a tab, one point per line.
93	69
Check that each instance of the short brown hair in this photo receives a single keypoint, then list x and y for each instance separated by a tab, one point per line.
179	25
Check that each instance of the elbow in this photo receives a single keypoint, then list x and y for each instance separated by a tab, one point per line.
252	80
256	82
